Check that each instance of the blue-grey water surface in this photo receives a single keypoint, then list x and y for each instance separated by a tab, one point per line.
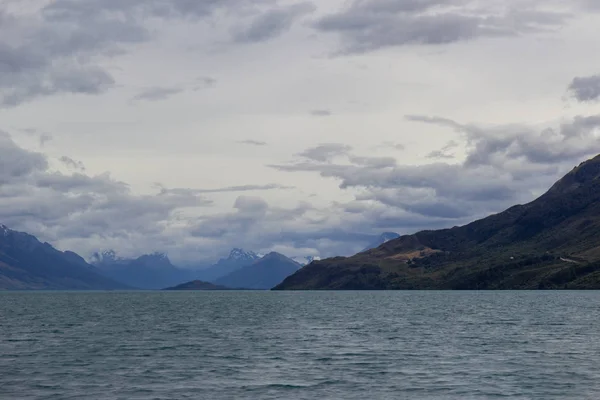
304	345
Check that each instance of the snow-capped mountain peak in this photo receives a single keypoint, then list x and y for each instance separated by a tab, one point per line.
4	230
158	256
241	254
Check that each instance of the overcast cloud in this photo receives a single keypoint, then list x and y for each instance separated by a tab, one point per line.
191	127
374	24
586	88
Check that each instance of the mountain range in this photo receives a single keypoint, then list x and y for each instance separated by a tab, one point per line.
150	271
550	243
28	264
263	273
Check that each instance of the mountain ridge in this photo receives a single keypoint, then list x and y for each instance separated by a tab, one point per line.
28	264
523	247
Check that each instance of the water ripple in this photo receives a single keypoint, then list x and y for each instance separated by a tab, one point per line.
326	345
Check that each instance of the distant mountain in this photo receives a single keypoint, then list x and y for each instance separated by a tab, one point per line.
262	274
381	239
28	264
305	260
237	259
550	243
197	285
151	271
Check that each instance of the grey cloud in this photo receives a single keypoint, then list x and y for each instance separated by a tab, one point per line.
367	25
86	213
17	163
44	138
69	209
309	238
52	80
79	183
450	145
250	212
253	142
444	153
207	80
257	225
505	165
325	152
157	93
204	82
42	57
439	154
422	204
272	23
397	146
374	162
439	209
321	113
156	8
242	188
591	5
251	204
585	89
387	145
59	48
71	163
411	214
476	192
448	181
434	120
498	145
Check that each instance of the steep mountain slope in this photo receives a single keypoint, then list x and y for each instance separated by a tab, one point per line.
28	264
197	285
552	242
151	271
262	274
237	259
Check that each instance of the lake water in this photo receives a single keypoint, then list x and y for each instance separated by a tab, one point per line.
304	345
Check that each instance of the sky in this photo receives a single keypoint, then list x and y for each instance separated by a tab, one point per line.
191	127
